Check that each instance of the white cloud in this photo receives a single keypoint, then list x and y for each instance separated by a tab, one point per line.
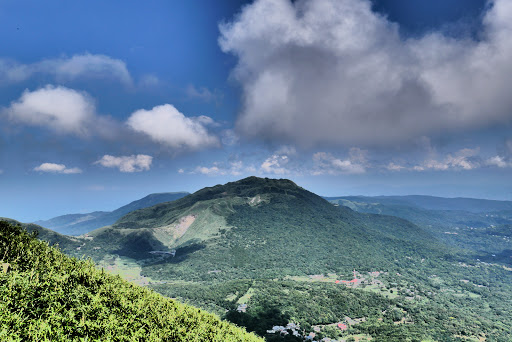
83	66
166	125
326	163
214	170
133	163
234	168
59	108
275	164
57	168
332	71
498	161
394	167
464	159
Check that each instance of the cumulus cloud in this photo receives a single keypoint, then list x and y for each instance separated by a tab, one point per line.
504	157
82	66
498	161
133	163
334	72
326	163
59	108
275	164
233	168
56	168
464	159
166	125
214	170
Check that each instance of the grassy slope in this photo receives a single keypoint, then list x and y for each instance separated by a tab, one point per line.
47	296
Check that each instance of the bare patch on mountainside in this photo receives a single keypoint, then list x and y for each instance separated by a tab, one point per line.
170	233
258	199
255	200
184	224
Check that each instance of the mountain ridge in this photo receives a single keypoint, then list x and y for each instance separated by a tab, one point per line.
78	224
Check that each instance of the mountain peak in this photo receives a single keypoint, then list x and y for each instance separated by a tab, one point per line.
249	187
221	199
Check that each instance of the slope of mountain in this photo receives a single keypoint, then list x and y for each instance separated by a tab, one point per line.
485	235
265	252
254	223
47	296
68	244
78	224
472	205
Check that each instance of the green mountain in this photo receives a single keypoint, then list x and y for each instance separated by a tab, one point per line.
78	224
266	252
244	228
481	227
47	296
472	205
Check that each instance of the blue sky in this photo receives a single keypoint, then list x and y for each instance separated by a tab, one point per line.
102	103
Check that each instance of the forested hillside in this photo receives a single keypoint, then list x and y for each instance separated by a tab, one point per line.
265	253
47	296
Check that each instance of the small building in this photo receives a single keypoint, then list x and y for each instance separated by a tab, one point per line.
342	326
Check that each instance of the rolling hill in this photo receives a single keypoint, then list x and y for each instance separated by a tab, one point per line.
47	296
78	224
481	227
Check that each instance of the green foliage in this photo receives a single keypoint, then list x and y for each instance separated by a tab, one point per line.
47	296
260	241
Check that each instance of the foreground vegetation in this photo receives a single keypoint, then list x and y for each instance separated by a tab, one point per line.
47	296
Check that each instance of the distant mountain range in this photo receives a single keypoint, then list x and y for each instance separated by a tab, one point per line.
78	224
472	205
481	227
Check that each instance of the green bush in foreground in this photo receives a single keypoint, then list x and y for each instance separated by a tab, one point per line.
47	296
